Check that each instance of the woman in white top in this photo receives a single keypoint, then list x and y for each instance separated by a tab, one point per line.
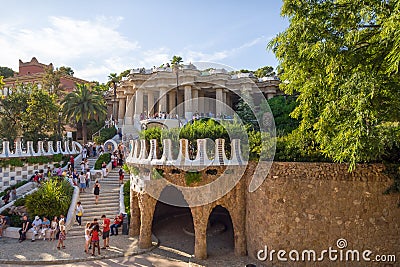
87	237
53	228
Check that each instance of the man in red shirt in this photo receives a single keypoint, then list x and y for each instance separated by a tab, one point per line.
106	231
117	223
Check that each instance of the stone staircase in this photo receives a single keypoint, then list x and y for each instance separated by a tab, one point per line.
108	203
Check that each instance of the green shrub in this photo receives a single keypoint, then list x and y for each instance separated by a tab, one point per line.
57	158
105	134
15	162
192	177
127	197
40	160
51	199
106	157
20	202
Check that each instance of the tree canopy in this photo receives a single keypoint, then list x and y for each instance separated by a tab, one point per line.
342	57
6	72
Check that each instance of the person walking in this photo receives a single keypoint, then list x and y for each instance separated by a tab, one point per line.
79	212
96	191
121	176
82	182
87	178
103	169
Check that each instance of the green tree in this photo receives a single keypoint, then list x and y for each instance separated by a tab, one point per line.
281	108
83	105
244	111
40	119
6	72
176	61
66	70
342	58
264	71
51	82
12	109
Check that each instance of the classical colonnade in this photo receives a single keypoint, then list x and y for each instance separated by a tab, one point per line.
212	94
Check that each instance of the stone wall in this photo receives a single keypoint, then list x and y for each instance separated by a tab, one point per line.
312	205
11	175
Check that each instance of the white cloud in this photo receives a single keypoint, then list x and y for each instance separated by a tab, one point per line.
190	55
66	41
94	47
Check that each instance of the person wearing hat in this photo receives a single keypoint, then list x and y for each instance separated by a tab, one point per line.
36	226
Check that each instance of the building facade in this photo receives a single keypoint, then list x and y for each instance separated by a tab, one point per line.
170	94
32	72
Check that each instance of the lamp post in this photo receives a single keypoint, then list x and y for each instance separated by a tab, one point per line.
59	125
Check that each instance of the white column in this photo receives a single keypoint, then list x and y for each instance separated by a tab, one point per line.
162	102
188	102
219	101
138	106
201	103
121	110
224	101
195	101
128	109
150	103
172	101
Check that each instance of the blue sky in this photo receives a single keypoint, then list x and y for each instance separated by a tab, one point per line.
96	38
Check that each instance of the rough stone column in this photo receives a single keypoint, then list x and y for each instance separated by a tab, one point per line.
150	103
188	102
219	101
121	110
162	102
172	101
146	205
200	220
135	215
238	216
138	106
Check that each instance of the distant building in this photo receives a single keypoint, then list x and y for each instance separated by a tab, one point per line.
32	72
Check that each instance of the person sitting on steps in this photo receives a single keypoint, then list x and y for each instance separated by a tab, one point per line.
117	223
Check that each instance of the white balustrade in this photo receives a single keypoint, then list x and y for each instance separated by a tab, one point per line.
236	153
40	148
220	156
183	156
75	148
201	157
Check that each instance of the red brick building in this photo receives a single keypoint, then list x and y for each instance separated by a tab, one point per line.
33	72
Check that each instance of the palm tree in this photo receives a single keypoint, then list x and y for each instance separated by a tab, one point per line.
113	81
82	105
176	64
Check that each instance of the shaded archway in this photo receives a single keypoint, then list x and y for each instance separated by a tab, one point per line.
220	232
173	225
